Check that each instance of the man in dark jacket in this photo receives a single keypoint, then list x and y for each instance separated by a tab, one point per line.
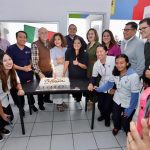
144	27
72	30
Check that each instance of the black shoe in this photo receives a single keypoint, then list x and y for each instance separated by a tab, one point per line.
1	138
34	108
101	118
115	131
48	101
107	123
41	107
5	131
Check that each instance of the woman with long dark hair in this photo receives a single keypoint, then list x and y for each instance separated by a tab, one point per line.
76	61
109	41
8	80
126	96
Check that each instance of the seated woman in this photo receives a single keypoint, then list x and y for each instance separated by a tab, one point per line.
76	61
126	95
103	67
8	79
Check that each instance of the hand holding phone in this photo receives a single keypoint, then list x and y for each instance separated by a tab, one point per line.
144	108
137	142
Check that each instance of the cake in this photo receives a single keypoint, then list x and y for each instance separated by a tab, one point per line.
54	83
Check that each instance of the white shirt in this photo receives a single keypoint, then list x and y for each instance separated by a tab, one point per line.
125	86
104	70
4	95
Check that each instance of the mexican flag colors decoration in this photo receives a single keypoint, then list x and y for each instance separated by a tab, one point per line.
32	33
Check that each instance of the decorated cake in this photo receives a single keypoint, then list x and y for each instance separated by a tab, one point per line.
54	83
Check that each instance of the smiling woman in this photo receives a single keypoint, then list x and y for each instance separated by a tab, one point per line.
8	79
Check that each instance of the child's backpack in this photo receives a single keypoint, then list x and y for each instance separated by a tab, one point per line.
144	108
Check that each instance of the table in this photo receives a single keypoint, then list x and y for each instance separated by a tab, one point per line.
76	85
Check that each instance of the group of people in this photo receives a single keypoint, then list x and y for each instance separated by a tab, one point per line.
113	71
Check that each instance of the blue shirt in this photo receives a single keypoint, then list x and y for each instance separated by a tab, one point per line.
21	58
57	53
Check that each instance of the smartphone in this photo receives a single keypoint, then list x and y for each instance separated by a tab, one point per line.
147	108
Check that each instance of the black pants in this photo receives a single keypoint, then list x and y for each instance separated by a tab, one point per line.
119	120
7	111
105	102
43	97
77	96
14	95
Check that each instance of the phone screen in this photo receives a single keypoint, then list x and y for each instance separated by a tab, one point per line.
147	109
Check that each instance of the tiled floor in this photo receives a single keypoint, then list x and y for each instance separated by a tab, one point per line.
69	130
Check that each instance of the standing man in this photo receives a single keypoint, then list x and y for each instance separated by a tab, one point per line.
72	30
144	27
41	60
133	47
4	44
21	56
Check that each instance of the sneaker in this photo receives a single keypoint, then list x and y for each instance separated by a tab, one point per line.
41	107
60	107
5	132
78	105
1	138
101	118
34	108
115	131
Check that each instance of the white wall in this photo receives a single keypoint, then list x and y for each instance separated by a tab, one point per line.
116	27
48	10
146	12
8	30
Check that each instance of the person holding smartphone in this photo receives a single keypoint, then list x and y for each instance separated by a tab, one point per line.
8	79
135	141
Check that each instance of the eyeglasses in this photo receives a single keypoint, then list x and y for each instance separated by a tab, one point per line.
142	29
126	30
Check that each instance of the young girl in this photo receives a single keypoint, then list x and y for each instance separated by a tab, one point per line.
76	61
103	67
57	60
126	95
8	79
109	41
